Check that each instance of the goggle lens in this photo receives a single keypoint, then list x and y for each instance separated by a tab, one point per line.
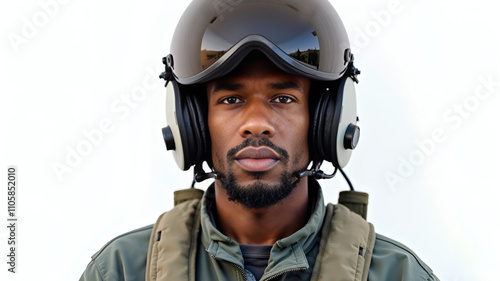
291	32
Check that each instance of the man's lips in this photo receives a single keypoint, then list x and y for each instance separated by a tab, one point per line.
257	159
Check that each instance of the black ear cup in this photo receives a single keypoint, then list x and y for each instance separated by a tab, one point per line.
323	121
191	128
196	103
187	131
334	131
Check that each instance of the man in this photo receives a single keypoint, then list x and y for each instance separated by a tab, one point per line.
257	94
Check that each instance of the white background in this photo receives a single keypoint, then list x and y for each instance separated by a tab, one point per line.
67	68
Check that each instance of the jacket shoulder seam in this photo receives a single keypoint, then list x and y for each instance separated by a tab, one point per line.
99	270
145	228
407	250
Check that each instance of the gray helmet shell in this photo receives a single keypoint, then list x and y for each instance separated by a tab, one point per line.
239	27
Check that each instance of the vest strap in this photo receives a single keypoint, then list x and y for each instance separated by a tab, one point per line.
346	246
173	244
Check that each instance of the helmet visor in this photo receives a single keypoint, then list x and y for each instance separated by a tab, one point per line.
289	30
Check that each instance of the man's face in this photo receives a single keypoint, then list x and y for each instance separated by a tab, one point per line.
258	119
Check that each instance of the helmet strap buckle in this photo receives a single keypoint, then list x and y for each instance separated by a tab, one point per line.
353	72
168	74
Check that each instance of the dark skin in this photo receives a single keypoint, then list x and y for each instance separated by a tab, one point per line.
258	100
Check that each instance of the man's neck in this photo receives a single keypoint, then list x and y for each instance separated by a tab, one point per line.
262	226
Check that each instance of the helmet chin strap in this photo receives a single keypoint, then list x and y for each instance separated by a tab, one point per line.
200	175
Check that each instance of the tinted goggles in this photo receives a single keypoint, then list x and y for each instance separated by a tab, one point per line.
300	37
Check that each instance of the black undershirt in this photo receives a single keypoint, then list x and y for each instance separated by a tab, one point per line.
256	258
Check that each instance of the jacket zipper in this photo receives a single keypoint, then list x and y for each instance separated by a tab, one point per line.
286	271
240	269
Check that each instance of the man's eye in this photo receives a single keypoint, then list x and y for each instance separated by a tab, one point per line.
283	99
231	100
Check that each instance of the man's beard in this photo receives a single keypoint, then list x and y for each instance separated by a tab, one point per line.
258	195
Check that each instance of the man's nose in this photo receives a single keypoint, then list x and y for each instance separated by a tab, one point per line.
257	120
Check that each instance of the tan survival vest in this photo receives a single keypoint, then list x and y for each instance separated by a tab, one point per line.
345	250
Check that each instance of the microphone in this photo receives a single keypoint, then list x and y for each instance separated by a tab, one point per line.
204	176
200	175
319	174
315	172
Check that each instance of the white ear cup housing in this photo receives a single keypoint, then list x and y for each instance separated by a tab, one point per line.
348	131
334	133
173	129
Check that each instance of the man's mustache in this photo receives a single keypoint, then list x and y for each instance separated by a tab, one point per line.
256	143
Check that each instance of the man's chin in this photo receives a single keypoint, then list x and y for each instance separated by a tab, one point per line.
258	182
258	193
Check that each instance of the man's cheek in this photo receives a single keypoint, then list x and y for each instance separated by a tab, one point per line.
218	160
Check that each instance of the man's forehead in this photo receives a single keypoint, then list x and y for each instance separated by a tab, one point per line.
231	86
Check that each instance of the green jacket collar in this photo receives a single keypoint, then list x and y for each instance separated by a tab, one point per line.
287	254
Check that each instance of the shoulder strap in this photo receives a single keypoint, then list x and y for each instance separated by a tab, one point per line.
346	246
355	201
173	243
184	195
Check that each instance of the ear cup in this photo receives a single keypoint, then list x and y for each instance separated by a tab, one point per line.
172	134
322	122
334	129
197	107
186	133
347	130
191	127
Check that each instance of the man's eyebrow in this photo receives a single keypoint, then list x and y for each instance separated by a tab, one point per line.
284	86
227	86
